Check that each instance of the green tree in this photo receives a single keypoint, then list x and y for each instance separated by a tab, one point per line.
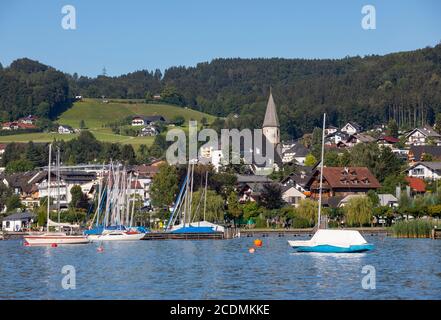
128	154
78	199
271	196
307	209
310	160
234	208
164	186
392	128
19	166
178	120
251	209
358	211
13	203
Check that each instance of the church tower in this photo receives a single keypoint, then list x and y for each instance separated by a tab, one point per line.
271	127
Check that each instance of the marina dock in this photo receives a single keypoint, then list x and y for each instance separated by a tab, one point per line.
184	236
305	232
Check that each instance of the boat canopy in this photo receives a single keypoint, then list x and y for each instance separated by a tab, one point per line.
340	238
63	225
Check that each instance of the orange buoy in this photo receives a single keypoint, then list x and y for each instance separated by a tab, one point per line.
54	245
258	243
251	250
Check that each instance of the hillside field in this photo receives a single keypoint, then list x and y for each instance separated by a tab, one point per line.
97	114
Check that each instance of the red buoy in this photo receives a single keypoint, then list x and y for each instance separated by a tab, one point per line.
258	243
54	245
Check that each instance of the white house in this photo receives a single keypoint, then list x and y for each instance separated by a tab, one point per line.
149	131
330	130
64	129
425	170
351	128
422	136
388	200
18	221
292	196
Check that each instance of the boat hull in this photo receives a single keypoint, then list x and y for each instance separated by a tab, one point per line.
335	249
116	237
46	240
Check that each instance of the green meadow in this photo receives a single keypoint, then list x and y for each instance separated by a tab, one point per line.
97	114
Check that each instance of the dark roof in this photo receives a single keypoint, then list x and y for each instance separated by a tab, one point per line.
241	178
299	150
20	216
21	180
389	139
355	125
340	177
427	130
418	151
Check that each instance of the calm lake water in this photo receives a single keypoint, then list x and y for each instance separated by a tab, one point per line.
405	269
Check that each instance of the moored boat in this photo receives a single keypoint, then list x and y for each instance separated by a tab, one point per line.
331	241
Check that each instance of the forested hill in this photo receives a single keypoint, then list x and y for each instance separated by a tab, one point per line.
29	87
369	90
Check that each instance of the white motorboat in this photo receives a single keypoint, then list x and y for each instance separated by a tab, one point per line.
116	235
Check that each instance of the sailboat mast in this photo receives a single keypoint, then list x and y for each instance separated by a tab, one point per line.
49	186
205	193
58	183
321	171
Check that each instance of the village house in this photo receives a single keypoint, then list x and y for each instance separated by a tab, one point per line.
18	221
351	128
424	153
330	130
146	120
299	179
297	153
249	187
417	185
335	138
23	185
342	181
388	200
425	170
10	125
30	119
65	129
357	138
67	180
149	131
387	141
423	136
291	195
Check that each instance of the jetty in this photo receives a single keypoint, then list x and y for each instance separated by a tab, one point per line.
291	232
184	236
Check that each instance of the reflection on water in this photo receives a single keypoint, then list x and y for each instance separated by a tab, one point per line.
405	269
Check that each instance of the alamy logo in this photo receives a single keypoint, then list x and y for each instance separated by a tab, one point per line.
69	281
369	280
69	20
369	21
236	147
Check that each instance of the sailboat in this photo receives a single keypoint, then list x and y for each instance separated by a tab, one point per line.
183	210
326	240
113	219
53	238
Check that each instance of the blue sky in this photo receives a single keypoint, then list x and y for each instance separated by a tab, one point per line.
130	35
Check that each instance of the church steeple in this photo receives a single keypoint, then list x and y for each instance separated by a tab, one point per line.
271	119
271	122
